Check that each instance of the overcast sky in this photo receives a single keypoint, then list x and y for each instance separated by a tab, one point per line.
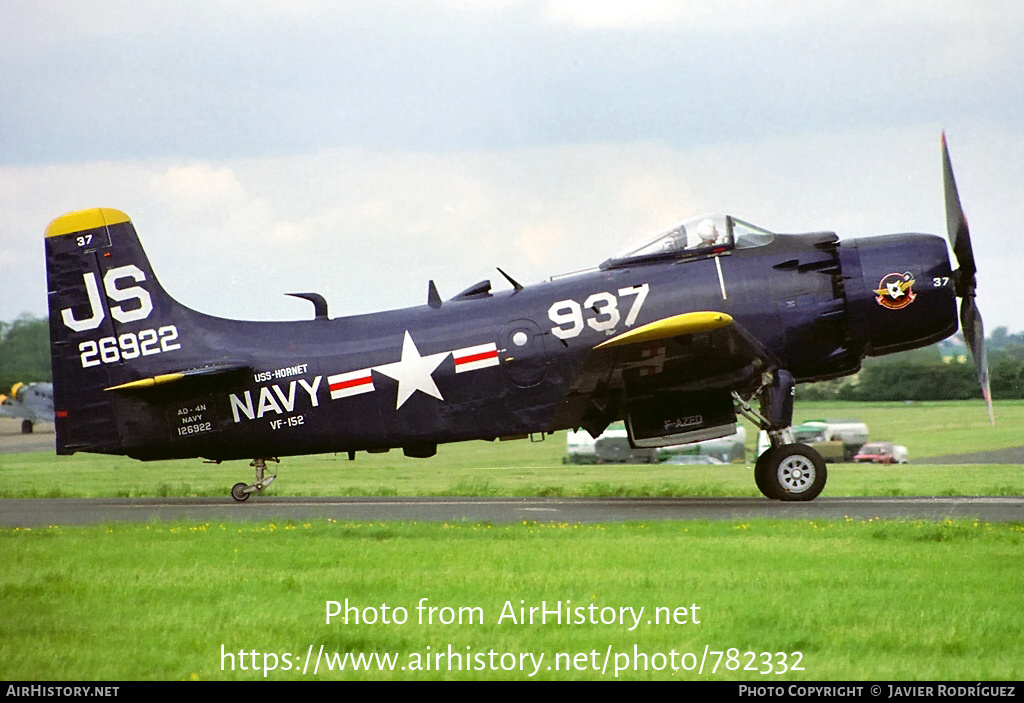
360	148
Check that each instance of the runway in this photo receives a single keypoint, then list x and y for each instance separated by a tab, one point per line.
86	511
12	441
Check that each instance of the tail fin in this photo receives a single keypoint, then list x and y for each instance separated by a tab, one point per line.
111	323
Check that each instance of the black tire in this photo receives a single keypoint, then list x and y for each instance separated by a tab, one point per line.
26	427
238	492
761	478
791	472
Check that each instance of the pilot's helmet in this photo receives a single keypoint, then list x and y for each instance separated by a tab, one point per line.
707	231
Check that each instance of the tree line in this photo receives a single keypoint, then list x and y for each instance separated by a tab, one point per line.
942	371
24	351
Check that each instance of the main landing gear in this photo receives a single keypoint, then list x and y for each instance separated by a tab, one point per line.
787	470
790	472
242	491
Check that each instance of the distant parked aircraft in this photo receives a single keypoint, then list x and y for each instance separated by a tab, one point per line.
31	401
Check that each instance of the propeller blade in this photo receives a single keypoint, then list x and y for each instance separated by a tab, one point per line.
956	222
966	279
974	336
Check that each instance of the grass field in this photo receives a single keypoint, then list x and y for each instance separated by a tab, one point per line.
928	429
457	473
858	600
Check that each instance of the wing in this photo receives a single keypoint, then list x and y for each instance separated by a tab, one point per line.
697	355
9	407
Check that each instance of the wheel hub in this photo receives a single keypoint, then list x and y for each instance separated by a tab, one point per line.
796	474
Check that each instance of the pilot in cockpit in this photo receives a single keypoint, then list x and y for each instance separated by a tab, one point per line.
707	235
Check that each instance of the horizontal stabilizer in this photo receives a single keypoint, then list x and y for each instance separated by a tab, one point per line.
205	372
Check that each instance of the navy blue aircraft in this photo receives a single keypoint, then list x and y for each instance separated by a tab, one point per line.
675	336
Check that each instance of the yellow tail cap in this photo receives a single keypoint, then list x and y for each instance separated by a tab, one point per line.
84	220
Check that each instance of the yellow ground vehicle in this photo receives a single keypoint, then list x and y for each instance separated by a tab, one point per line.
835	440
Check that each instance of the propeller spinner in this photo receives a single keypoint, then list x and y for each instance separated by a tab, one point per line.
966	278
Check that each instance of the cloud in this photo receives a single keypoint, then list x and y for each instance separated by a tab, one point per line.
368	229
199	186
612	14
538	242
226	79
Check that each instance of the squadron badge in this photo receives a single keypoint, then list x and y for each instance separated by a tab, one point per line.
895	291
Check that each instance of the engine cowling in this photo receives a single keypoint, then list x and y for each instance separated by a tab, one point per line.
899	291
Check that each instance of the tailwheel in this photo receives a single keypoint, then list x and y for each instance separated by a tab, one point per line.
791	472
242	491
238	492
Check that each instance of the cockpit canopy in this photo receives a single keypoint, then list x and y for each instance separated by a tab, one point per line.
710	234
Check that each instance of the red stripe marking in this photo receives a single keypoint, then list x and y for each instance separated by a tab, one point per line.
349	384
477	357
62	413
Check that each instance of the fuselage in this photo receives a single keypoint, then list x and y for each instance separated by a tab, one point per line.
489	365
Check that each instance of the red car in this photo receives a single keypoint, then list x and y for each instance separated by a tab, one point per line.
882	453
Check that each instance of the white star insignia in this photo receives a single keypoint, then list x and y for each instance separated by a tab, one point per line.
413	372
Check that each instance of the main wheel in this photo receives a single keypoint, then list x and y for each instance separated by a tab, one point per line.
791	472
238	492
26	427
